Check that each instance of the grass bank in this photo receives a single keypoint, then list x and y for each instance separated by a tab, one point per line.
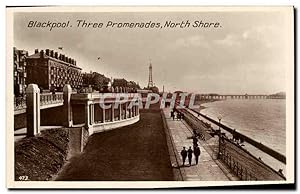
40	158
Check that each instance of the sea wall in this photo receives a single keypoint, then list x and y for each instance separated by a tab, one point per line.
20	121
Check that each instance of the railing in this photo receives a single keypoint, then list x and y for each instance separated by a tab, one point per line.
244	164
48	98
19	103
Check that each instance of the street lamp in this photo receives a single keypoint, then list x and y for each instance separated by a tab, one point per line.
219	118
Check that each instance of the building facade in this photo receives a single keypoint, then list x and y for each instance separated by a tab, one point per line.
51	71
20	71
96	80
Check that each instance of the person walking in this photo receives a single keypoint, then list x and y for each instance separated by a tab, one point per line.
190	155
172	115
195	140
197	153
183	155
178	116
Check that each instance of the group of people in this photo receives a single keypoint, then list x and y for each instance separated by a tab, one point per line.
189	153
176	114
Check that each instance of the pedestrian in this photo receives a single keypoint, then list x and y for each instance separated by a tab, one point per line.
172	114
197	153
190	155
178	116
195	132
183	155
195	140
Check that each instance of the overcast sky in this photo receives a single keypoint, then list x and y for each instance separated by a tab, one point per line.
249	54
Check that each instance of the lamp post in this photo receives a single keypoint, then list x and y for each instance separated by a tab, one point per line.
219	118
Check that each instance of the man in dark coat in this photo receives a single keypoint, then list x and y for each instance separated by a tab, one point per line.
190	155
197	153
183	155
172	115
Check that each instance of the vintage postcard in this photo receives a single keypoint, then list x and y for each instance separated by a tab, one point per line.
150	97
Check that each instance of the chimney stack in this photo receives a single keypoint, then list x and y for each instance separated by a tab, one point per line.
36	51
56	55
42	54
52	53
47	52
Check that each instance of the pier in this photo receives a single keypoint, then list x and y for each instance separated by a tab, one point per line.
238	96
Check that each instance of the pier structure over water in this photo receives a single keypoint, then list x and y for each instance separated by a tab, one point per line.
238	96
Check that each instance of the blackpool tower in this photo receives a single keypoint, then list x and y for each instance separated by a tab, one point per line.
150	82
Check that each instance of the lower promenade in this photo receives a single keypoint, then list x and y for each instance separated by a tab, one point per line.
208	168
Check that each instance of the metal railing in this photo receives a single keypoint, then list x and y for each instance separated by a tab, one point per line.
245	165
19	103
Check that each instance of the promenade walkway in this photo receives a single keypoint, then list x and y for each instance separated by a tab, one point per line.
136	152
208	169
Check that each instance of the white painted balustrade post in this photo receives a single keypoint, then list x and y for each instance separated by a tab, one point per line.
120	111
103	114
112	112
92	114
125	105
67	107
33	110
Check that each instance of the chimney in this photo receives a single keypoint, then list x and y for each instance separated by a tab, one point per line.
63	57
56	55
60	57
36	51
67	59
52	53
47	52
75	62
42	54
70	60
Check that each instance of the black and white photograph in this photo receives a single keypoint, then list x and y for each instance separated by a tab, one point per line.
149	97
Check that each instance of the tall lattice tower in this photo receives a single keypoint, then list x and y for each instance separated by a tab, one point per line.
150	82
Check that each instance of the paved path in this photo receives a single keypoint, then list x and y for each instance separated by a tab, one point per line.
136	152
207	169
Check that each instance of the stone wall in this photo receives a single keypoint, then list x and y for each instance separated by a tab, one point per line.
20	121
52	116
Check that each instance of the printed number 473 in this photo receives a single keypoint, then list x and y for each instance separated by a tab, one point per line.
23	178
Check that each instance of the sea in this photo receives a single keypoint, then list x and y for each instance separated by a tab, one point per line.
261	119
